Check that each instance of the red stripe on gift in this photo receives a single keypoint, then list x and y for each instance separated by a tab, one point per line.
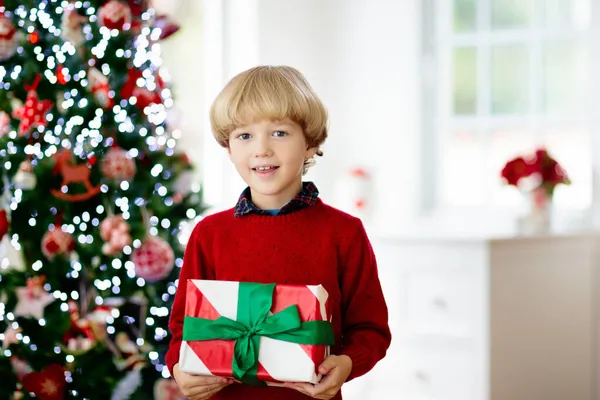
309	309
217	355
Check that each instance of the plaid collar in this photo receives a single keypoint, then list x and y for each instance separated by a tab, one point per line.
306	198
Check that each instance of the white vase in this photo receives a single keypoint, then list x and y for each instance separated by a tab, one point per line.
538	218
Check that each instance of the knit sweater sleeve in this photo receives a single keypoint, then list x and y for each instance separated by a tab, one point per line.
365	331
194	267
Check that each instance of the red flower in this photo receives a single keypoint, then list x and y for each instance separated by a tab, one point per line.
542	164
514	170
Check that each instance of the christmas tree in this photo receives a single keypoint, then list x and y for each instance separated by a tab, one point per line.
95	200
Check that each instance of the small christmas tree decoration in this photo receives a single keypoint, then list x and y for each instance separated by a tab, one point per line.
100	88
154	259
79	338
56	243
4	223
144	96
117	165
9	38
33	299
73	173
71	29
4	123
25	178
10	337
49	384
115	15
114	230
33	113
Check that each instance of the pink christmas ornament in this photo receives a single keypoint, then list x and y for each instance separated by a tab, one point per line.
115	15
154	260
114	230
57	242
117	165
9	38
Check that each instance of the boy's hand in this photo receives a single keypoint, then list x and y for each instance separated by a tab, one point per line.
336	370
196	387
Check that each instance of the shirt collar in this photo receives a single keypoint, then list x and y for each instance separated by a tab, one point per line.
305	198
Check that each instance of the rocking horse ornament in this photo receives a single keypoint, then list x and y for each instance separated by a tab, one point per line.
73	173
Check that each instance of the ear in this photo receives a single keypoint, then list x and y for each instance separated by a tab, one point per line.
310	152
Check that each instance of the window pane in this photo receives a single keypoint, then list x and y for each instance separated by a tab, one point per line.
507	14
567	13
465	80
565	77
504	145
463	179
510	79
465	15
572	148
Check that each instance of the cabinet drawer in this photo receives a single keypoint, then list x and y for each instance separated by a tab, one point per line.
440	370
441	300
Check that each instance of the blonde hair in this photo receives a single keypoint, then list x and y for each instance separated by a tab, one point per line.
269	92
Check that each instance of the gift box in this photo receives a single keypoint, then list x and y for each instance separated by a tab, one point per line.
255	333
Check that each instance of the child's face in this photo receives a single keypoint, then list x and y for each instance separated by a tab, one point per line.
269	156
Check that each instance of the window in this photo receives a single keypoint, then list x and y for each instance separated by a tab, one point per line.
509	76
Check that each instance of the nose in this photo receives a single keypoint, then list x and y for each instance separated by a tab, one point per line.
262	147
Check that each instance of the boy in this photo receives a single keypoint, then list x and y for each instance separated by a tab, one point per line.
272	124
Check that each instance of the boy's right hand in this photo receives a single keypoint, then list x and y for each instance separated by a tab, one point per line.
196	387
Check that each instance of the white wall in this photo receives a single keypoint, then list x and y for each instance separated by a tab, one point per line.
362	57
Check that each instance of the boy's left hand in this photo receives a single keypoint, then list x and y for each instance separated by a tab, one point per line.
335	369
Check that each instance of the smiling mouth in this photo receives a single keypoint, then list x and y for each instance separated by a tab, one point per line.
265	168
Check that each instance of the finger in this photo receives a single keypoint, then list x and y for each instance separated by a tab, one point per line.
202	390
306	388
206	380
327	365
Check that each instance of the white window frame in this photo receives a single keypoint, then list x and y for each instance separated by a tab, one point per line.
437	118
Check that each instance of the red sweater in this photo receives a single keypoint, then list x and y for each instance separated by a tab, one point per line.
315	245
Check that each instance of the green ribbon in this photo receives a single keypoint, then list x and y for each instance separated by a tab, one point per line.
253	321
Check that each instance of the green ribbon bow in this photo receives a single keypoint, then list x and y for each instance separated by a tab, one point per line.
253	321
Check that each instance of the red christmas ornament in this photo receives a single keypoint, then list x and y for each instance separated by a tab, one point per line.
60	75
115	15
154	260
33	113
57	242
100	88
49	384
117	165
9	38
34	37
144	96
4	224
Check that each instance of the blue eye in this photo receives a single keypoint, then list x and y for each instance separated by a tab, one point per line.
279	133
243	136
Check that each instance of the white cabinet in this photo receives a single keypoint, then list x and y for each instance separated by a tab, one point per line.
488	319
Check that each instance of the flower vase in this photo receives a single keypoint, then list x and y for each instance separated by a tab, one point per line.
538	219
